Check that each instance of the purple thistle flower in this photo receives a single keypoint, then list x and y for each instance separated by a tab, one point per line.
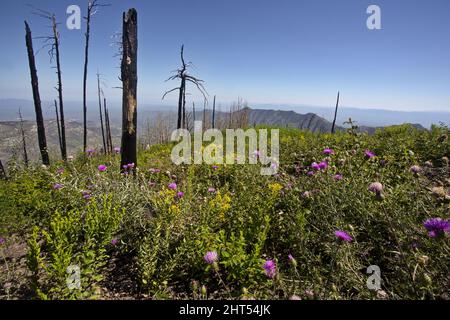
90	152
257	153
211	190
437	227
376	187
172	186
116	150
328	151
338	177
130	166
57	186
2	240
180	194
310	173
323	165
369	154
114	241
60	171
86	194
290	257
315	166
270	269
102	168
215	167
211	257
344	236
151	184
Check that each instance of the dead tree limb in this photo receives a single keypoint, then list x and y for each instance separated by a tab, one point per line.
36	97
129	92
335	113
108	128
24	144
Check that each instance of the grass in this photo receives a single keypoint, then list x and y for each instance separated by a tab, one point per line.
135	237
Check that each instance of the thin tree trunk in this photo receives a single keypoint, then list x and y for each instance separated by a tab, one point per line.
108	131
60	90
58	125
24	144
193	110
86	60
204	114
100	112
129	85
335	113
36	97
214	113
3	172
180	103
184	109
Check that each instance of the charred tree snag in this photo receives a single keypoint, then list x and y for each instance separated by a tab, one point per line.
3	172
36	97
59	128
335	113
129	91
214	113
184	78
105	150
60	89
24	144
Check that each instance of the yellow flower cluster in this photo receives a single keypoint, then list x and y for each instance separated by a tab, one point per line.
275	188
221	204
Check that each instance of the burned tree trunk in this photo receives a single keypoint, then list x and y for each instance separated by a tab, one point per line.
24	144
193	109
335	113
180	102
3	172
36	97
129	85
214	113
108	129
60	95
86	61
59	128
105	151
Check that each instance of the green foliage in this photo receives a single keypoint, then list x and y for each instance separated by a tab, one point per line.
247	219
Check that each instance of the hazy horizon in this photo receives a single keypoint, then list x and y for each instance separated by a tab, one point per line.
289	53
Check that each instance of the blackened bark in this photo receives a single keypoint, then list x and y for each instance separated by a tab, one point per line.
107	127
24	144
86	61
36	97
59	128
2	171
335	113
60	91
129	85
214	113
105	150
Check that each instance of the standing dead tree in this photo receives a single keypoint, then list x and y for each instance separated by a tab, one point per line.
184	78
3	172
53	41
108	128
92	9
36	97
214	114
57	123
105	150
129	89
24	144
335	113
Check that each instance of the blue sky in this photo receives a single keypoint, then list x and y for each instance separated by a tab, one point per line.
266	51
